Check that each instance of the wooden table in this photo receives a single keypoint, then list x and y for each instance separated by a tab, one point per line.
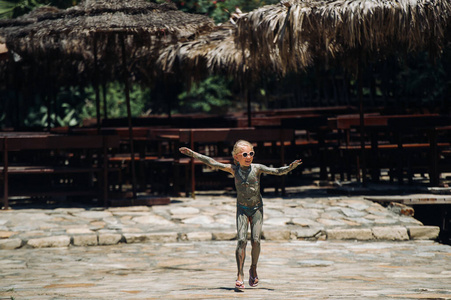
31	143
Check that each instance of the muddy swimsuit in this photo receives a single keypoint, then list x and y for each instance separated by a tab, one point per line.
249	198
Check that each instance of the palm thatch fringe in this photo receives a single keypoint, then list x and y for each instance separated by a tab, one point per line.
338	27
218	52
210	53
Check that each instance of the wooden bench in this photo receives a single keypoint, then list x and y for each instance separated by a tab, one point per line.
25	153
404	136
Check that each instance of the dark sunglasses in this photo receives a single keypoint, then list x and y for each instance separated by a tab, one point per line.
245	154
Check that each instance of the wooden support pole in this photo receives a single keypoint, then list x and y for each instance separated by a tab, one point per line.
96	84
5	174
193	171
362	119
129	116
105	171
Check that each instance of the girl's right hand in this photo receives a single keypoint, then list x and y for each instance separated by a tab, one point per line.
186	151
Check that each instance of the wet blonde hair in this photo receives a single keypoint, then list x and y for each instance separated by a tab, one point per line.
237	147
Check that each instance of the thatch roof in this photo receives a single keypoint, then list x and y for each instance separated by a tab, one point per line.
68	37
210	53
343	27
260	31
217	52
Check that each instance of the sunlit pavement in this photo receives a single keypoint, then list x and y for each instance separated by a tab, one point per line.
207	270
315	246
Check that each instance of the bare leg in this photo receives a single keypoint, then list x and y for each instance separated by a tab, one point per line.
255	251
242	225
240	254
256	228
255	255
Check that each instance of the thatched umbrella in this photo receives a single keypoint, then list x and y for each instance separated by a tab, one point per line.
351	30
217	52
93	30
343	28
220	51
114	37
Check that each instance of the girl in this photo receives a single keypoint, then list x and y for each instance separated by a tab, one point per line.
249	200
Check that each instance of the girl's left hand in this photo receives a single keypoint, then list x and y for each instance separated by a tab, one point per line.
297	162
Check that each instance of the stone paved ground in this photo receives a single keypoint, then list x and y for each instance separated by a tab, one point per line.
206	270
310	216
316	246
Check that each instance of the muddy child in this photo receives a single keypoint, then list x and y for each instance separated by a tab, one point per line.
249	200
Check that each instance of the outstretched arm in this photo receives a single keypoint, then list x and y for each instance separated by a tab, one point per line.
282	170
207	160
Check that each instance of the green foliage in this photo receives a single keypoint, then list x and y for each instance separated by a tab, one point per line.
13	9
40	117
74	104
419	78
16	8
85	105
209	96
37	113
219	10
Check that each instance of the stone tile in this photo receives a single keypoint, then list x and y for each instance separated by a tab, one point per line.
129	209
305	222
109	238
152	220
281	221
386	221
199	236
423	232
184	211
277	235
272	213
78	231
301	213
390	233
225	219
96	225
224	236
331	222
51	241
10	244
151	237
199	220
7	234
357	204
353	213
409	220
85	240
307	232
33	234
361	234
95	215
